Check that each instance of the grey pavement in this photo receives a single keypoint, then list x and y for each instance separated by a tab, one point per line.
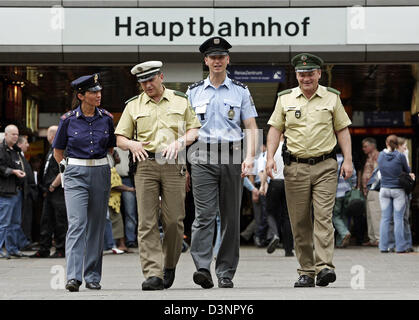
362	273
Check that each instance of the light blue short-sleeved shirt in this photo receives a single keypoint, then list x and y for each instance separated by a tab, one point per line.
221	110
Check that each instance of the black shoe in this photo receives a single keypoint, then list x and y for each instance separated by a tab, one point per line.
93	285
152	283
289	253
169	277
304	281
57	254
273	244
325	277
73	285
225	283
132	245
40	254
203	278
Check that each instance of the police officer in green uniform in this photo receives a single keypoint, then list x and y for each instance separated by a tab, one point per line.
156	126
311	117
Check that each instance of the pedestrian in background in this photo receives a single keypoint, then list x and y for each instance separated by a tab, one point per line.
87	135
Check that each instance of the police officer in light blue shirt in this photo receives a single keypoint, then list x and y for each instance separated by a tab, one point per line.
87	135
221	104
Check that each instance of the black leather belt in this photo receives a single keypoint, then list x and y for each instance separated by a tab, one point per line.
315	160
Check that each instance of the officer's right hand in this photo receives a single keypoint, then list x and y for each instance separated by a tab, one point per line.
270	164
137	149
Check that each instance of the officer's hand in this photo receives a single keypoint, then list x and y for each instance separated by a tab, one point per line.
255	195
270	164
263	189
346	170
247	167
172	150
138	151
412	175
19	173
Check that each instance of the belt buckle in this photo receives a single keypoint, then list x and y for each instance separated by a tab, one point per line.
90	162
311	161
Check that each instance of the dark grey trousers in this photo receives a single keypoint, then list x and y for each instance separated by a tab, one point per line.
86	191
216	186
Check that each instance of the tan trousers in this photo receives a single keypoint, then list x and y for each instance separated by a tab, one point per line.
373	215
305	186
152	180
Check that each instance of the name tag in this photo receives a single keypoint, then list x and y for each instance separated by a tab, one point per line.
201	109
292	108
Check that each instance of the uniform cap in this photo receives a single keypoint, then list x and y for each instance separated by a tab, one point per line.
87	83
305	62
215	46
146	70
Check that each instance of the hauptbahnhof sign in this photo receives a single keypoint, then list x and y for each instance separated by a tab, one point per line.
191	26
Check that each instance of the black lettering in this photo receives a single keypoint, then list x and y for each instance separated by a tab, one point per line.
118	26
142	29
191	24
305	23
172	33
163	29
227	29
241	24
296	29
274	24
202	24
262	28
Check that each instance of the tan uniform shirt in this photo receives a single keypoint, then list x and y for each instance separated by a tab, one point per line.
309	124
159	123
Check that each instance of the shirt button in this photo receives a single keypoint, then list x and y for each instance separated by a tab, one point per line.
91	151
91	141
91	132
90	123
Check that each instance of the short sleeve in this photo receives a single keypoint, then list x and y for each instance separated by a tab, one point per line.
125	125
277	119
191	118
61	138
340	117
248	109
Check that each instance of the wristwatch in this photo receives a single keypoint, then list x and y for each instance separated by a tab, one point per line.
181	141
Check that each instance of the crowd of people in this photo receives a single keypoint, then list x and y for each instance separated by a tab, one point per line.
105	189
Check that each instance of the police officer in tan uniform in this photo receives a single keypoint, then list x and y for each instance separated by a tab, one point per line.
311	117
156	126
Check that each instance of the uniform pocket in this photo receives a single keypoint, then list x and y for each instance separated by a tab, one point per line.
144	121
323	114
232	110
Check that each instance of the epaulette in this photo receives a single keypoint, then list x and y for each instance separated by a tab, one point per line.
333	90
110	115
238	83
133	98
67	115
196	84
180	94
284	92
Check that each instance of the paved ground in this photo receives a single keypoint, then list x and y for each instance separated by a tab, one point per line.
362	273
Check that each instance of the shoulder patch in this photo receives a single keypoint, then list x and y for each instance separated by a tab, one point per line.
333	90
196	84
110	115
238	83
180	94
67	115
284	92
129	100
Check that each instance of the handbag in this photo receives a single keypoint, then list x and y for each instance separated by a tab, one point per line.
354	202
407	183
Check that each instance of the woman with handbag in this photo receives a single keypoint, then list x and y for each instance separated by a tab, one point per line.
393	200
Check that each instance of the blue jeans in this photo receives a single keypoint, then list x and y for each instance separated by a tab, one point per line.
10	218
130	213
109	242
393	207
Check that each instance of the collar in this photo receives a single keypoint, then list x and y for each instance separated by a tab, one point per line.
79	113
321	91
14	147
166	95
226	82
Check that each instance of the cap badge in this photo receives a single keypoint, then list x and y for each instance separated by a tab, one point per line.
96	77
216	41
303	58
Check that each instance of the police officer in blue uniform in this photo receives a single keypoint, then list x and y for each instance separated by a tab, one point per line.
86	134
221	104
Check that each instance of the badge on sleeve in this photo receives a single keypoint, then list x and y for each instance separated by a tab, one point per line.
298	114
